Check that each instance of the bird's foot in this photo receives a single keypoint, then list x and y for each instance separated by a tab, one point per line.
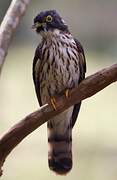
67	93
53	102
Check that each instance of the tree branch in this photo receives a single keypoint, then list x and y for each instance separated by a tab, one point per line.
9	25
87	88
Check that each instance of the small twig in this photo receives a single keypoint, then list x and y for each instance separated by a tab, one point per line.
87	88
9	25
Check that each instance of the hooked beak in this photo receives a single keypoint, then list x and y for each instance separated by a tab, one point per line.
33	26
39	25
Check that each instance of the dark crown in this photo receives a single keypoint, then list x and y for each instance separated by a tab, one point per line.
51	20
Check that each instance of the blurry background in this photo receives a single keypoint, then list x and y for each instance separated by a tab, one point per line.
95	134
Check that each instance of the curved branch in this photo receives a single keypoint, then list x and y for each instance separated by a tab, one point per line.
88	87
9	25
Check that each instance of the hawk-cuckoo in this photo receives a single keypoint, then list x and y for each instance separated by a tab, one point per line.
58	65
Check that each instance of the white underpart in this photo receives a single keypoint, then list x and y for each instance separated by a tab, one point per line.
61	121
63	80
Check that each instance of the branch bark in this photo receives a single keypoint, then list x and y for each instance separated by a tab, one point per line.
9	25
87	88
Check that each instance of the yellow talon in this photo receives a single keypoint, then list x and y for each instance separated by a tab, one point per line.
67	93
53	102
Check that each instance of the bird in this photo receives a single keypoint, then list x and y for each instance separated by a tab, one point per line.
58	65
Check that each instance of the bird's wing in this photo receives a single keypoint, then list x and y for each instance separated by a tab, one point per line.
82	60
36	61
82	66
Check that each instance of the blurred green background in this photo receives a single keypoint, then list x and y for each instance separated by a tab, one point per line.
95	134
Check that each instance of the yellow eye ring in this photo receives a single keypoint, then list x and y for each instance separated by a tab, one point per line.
49	18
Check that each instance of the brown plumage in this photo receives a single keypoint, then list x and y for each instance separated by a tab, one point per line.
59	64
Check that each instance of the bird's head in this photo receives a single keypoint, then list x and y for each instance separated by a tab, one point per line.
48	21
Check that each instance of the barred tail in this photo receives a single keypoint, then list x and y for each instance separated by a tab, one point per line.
60	150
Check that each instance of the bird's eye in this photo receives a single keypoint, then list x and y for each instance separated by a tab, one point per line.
49	18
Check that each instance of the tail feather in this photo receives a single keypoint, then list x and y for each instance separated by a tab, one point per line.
60	151
60	157
60	142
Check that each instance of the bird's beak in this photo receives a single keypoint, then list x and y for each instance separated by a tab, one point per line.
36	25
33	26
39	25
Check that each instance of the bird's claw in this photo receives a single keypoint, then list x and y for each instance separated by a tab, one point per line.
53	102
67	93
